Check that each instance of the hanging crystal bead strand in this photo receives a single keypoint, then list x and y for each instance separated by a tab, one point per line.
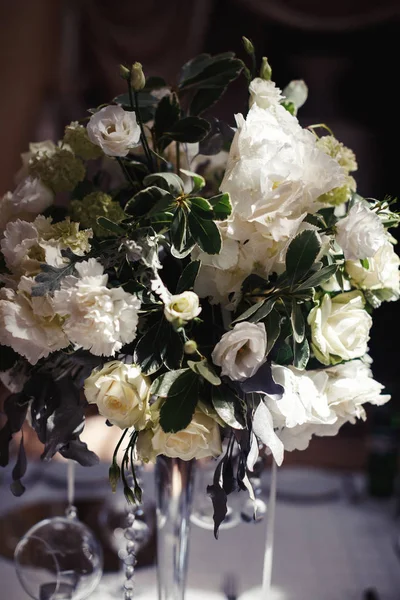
133	541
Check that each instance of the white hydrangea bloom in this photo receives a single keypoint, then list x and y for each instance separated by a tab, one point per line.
275	171
114	129
29	325
97	318
361	233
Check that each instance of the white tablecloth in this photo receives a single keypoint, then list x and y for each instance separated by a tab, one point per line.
326	550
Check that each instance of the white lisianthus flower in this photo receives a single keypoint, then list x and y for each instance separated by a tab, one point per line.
29	325
382	272
200	439
97	318
29	199
350	386
241	351
114	129
121	393
275	171
361	233
182	307
340	327
264	93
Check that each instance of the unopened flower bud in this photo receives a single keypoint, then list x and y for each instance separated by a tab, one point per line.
248	45
190	347
265	70
114	474
138	80
124	72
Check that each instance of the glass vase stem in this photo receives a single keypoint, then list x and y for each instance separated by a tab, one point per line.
174	494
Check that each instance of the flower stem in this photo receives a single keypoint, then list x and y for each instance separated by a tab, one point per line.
178	158
134	100
125	171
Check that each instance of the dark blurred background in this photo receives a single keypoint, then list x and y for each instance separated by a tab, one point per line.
59	58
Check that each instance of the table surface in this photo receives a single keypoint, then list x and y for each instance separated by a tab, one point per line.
327	547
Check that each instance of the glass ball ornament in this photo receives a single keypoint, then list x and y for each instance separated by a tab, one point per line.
59	559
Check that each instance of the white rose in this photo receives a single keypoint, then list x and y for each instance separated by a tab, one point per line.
182	307
29	325
97	318
115	130
241	351
382	272
121	393
200	439
264	93
350	386
361	233
340	327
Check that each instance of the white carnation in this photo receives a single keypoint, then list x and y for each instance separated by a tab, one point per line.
114	129
97	318
264	93
241	351
361	233
29	325
382	272
340	327
275	171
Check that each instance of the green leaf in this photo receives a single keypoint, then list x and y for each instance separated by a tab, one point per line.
364	263
201	207
204	99
198	181
111	226
301	255
247	313
273	328
203	368
177	411
151	200
189	130
215	73
297	320
154	83
162	220
167	181
317	278
180	236
50	278
301	354
263	311
167	114
222	206
188	277
161	344
227	406
194	66
162	385
205	233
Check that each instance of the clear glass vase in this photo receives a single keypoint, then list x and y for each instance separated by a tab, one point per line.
174	494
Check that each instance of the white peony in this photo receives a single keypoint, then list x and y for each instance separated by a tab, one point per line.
382	272
97	318
200	439
182	308
340	327
121	393
29	325
361	233
275	172
114	129
264	93
241	351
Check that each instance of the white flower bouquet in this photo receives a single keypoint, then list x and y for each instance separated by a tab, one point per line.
199	282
